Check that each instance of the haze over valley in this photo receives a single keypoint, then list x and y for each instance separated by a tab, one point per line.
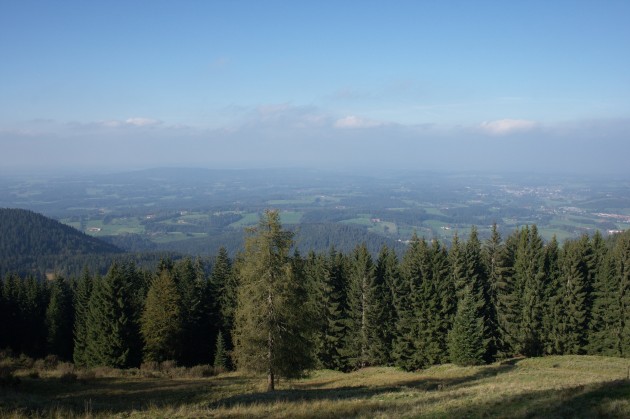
298	209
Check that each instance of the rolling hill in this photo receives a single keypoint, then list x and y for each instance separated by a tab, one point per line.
31	243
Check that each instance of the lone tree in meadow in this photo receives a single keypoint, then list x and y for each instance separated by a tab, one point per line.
272	331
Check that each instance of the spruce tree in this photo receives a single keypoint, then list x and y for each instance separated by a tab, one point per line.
529	274
326	299
508	297
161	321
197	310
457	258
336	327
446	302
466	338
220	354
384	314
553	301
622	272
477	280
575	293
403	289
606	315
359	345
81	308
424	302
111	329
224	291
33	301
492	259
4	316
12	318
272	331
59	320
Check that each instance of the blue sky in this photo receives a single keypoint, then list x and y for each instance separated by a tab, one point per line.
476	85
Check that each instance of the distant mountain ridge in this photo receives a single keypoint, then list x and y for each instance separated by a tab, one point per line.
30	241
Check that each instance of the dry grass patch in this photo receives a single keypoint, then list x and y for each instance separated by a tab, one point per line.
570	386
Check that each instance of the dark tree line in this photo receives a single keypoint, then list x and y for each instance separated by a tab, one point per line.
472	303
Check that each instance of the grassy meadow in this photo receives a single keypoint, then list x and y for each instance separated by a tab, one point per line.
567	386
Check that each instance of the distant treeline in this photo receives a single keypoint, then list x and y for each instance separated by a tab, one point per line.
308	236
472	303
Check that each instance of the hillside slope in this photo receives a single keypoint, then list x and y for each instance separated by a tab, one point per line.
31	242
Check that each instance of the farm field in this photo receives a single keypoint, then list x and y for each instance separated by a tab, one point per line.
567	386
166	208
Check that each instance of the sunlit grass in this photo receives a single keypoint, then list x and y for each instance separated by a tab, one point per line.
569	386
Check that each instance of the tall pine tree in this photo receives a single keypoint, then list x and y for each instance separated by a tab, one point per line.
272	331
161	321
81	308
359	344
60	319
111	329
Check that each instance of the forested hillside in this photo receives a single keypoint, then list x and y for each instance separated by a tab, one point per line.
30	242
471	303
318	237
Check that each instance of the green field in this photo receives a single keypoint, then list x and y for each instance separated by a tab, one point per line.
175	236
290	217
251	218
115	227
569	386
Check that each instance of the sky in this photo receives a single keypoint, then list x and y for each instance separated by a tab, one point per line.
427	85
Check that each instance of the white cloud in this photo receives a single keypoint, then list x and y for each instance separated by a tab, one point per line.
352	121
141	122
507	126
130	122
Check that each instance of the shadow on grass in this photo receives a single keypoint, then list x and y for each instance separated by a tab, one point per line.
309	392
609	399
125	394
104	395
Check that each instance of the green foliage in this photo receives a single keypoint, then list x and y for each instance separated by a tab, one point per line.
112	330
223	287
471	303
30	242
272	331
198	311
360	344
529	280
492	253
25	303
575	296
384	317
161	321
466	338
328	280
59	320
605	328
221	362
402	288
81	309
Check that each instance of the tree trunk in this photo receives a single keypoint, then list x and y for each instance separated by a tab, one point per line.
270	381
270	375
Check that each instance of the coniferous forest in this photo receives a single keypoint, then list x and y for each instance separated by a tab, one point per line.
274	310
